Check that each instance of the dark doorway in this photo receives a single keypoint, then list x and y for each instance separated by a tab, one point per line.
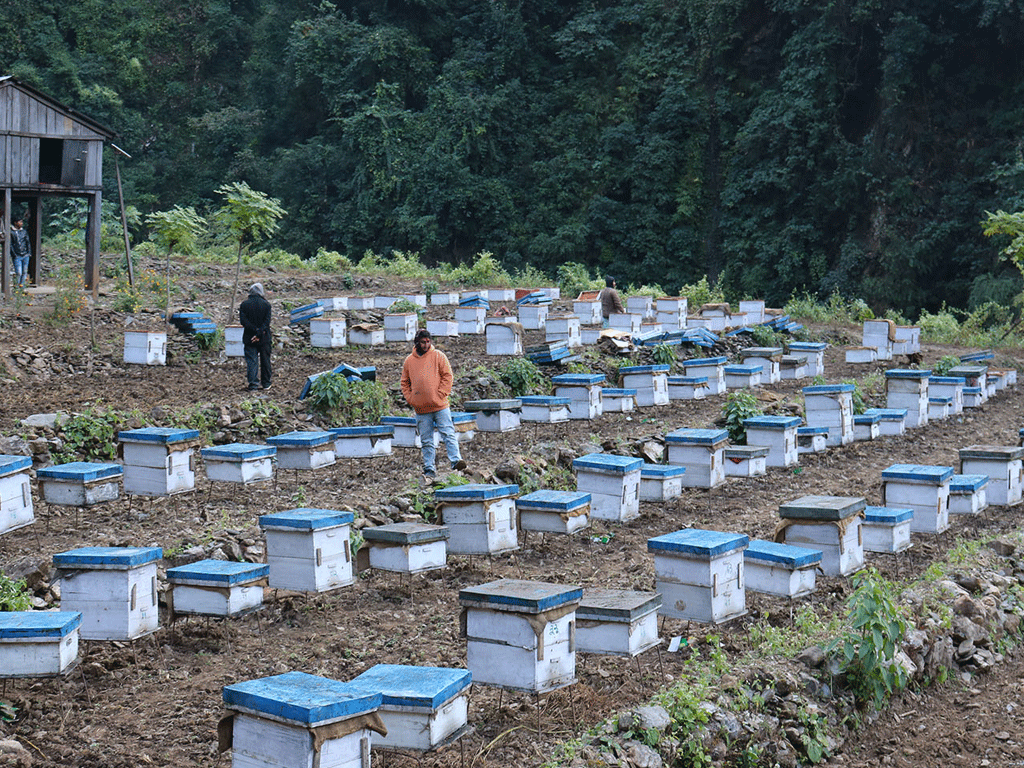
51	160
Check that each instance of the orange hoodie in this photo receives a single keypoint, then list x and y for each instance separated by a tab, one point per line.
427	381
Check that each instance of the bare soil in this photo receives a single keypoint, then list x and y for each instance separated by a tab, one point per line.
157	701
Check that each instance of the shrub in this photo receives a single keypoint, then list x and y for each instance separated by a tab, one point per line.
522	376
68	299
485	270
654	290
702	292
347	402
89	436
531	277
329	261
944	364
664	354
737	407
404	307
574	277
859	404
14	595
764	336
430	287
210	342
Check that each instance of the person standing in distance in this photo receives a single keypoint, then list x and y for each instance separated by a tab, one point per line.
21	251
610	301
426	385
254	315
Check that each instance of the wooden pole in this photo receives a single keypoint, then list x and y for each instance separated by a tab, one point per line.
5	281
124	223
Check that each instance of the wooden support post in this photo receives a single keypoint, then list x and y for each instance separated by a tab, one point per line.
92	245
5	280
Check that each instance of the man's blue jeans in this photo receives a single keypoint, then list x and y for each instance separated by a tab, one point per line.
441	420
21	269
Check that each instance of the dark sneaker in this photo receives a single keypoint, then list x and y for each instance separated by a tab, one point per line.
253	388
266	386
429	478
459	465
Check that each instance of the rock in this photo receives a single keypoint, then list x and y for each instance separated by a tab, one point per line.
649	717
968	582
642	756
965	606
13	755
1002	548
812	657
402	503
509	470
14	446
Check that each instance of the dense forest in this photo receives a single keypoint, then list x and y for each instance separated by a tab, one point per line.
776	146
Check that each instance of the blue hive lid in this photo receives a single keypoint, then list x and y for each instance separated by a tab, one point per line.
822	507
540	400
399	421
697	362
936	400
10	464
761	351
372	430
157	435
107	558
784	554
954	380
301	698
694	541
972	390
407	533
687	380
520	596
807	346
968	483
993	452
608	462
509	403
475	492
888	414
18	624
301	439
660	471
408	686
887	515
918	472
627	370
907	373
219	572
306	519
867	418
828	389
709	437
462	417
743	370
577	379
557	501
81	471
238	451
804	431
617	392
772	422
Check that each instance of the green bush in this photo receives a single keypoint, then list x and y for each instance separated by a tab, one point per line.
764	336
945	364
664	354
654	291
329	261
574	277
737	407
348	402
859	404
210	342
89	436
14	595
531	277
484	271
430	287
702	292
404	307
522	376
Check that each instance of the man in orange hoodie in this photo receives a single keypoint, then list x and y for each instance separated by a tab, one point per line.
426	384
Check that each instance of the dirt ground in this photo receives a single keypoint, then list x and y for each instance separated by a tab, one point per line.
157	701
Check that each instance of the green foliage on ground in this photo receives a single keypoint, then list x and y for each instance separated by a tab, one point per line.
521	376
342	403
14	594
737	407
90	436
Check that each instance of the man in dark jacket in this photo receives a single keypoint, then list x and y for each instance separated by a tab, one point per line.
21	251
254	314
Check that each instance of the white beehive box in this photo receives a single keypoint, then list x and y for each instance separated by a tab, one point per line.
498	415
419	299
711	368
145	347
80	483
234	345
891	421
754	310
503	339
303	450
925	489
114	588
811	439
617	622
939	408
587	312
293	720
406	433
831	406
613	483
38	643
158	461
590	335
880	334
334	303
672	311
769	358
359	303
554	511
968	494
520	634
907	340
700	451
533	318
649	381
743	376
239	462
401	327
544	410
16	510
976	378
308	550
1002	463
886	529
860	355
465	425
422	707
366	335
617	400
407	547
563	328
792	368
660	482
625	321
443	328
778	434
470	320
829	524
445	298
908	388
699	574
327	332
745	460
687	387
362	442
780	569
384	302
480	517
974	396
641	305
583	391
813	353
951	387
866	426
217	588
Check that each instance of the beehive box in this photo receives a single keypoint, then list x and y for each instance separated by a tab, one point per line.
1002	463
880	334
968	494
831	406
443	328
360	302
949	386
217	587
907	340
613	483
327	333
292	720
860	355
564	328
711	368
780	569
470	320
925	489
891	421
973	375
583	391
792	368
587	312
114	588
640	305
16	510
308	550
886	529
545	410
38	643
554	511
649	381
239	462
145	347
444	298
867	426
496	415
769	358
743	376
974	396
699	574
778	434
661	482
830	524
626	322
422	707
672	311
366	335
503	339
363	442
406	432
303	450
481	518
80	483
813	353
158	461
908	388
533	318
465	425
407	547
400	327
687	387
520	634
234	345
617	400
617	622
939	408
745	460
754	310
700	451
384	302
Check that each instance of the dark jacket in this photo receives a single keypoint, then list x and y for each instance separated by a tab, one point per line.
20	243
254	315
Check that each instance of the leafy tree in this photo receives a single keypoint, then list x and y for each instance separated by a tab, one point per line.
176	228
